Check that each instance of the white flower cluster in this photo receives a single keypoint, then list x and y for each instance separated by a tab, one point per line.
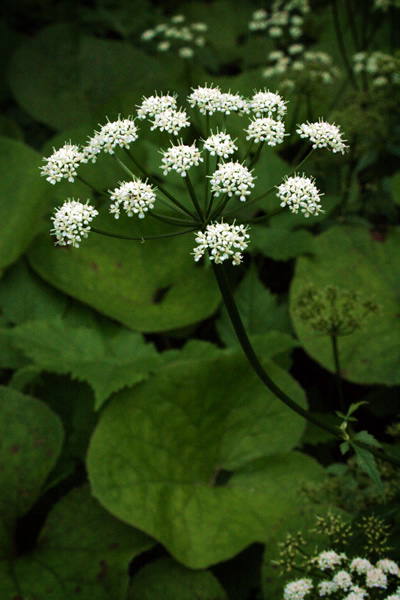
153	105
116	133
300	193
285	18
223	242
171	121
266	130
383	68
266	103
232	178
136	197
180	158
177	35
211	99
71	222
297	67
220	144
358	582
323	135
63	163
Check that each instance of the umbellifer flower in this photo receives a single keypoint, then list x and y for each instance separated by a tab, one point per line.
297	590
136	197
171	121
153	105
223	241
323	135
71	222
300	193
117	133
233	179
220	144
180	158
267	103
63	164
266	130
207	99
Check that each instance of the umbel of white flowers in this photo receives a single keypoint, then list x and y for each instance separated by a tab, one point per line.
228	178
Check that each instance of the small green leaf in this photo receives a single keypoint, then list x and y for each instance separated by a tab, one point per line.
366	461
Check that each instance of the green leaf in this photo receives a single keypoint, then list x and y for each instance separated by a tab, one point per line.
108	361
160	450
31	437
366	461
354	259
58	76
23	195
82	552
280	243
152	286
259	309
169	580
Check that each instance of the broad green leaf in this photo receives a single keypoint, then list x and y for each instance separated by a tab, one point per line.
108	362
82	552
259	309
279	243
152	286
62	77
169	580
31	437
23	195
161	448
355	259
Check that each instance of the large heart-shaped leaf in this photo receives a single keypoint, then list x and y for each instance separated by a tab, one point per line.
161	450
356	259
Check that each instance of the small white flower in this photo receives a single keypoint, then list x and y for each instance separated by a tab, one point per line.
375	577
297	590
323	135
171	121
394	596
360	565
329	559
199	27
276	32
220	144
343	580
186	52
326	588
300	193
71	222
180	158
232	178
295	49
117	133
223	241
228	103
164	46
153	105
148	35
177	19
267	103
63	164
266	130
135	196
207	99
388	566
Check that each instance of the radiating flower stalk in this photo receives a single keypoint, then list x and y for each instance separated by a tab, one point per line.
229	174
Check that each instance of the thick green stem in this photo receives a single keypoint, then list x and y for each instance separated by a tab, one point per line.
226	292
339	387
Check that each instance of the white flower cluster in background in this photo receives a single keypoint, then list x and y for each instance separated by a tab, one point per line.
297	68
386	4
223	242
71	222
177	35
351	579
383	69
228	177
285	18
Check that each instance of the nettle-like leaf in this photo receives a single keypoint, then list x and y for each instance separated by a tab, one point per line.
260	310
162	450
108	361
82	552
150	287
23	195
169	580
355	259
31	437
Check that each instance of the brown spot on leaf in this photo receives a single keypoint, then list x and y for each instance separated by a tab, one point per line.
94	266
14	448
102	574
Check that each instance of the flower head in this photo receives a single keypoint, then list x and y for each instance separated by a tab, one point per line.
300	193
170	120
135	197
329	559
266	130
220	144
360	565
153	105
297	590
63	164
207	99
375	577
117	133
388	566
223	241
180	158
232	178
71	222
267	103
343	580
323	135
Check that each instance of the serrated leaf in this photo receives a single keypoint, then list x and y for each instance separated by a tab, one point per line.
366	461
368	438
107	361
